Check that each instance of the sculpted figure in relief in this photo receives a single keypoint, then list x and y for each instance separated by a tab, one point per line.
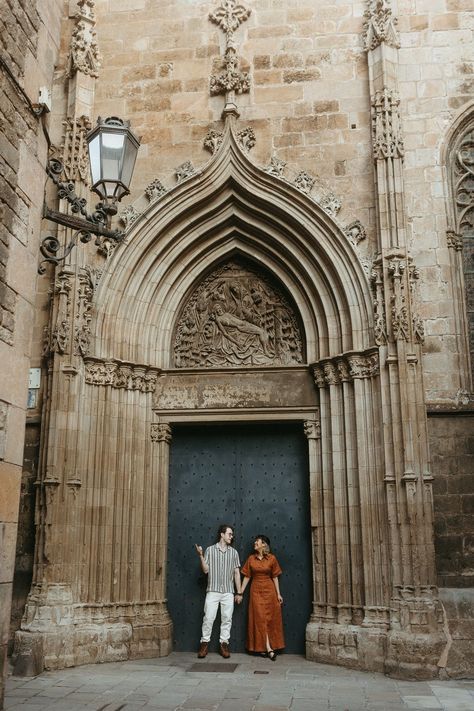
235	318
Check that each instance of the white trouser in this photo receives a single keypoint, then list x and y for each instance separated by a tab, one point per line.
213	600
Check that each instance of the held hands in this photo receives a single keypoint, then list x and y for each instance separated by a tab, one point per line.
238	598
198	549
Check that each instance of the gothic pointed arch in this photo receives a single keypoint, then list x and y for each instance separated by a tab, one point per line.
458	162
231	206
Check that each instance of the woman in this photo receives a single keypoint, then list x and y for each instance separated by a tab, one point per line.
265	625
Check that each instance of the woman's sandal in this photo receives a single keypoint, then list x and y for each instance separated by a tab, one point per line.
272	655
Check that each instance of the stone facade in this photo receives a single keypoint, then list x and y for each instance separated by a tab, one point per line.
29	34
295	219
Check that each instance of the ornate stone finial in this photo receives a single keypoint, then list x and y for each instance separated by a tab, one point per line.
386	125
304	182
185	170
84	53
155	190
128	216
75	156
246	138
381	25
355	232
229	16
213	140
276	167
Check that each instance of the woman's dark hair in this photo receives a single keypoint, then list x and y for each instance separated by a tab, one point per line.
263	538
222	529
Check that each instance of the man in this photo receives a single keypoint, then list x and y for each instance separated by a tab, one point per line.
221	564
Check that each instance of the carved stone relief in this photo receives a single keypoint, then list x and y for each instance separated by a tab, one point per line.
128	216
60	334
276	167
246	138
213	140
380	25
229	16
120	375
84	53
185	170
154	190
74	149
351	366
386	125
236	317
88	280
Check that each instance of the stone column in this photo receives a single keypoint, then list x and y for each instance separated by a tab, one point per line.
312	430
415	639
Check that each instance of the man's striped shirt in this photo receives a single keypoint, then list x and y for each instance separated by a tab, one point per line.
221	568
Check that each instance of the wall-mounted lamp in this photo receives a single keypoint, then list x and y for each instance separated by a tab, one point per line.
113	150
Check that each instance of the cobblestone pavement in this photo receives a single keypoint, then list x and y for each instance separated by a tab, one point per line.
254	684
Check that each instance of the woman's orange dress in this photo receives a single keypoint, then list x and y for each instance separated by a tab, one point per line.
264	609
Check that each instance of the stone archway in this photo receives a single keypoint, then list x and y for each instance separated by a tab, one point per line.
100	574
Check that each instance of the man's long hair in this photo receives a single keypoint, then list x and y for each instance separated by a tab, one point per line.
223	529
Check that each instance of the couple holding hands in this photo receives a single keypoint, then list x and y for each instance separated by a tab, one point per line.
221	564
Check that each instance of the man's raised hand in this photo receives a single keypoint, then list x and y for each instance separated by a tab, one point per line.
198	549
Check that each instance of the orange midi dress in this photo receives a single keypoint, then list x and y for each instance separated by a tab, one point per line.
264	609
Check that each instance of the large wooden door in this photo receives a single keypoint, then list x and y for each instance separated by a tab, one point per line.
254	477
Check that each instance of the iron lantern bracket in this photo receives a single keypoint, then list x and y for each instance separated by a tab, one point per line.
85	225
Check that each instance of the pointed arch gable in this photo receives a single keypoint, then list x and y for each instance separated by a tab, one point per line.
231	206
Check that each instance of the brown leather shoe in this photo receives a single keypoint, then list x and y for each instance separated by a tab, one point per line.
203	650
224	650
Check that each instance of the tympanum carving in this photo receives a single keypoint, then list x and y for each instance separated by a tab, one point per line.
236	317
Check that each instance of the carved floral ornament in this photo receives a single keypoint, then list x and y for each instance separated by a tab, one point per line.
237	318
346	368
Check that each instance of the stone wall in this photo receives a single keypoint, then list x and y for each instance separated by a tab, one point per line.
452	455
29	33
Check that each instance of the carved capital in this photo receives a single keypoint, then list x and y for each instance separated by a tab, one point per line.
312	429
125	376
318	374
380	26
454	240
160	432
331	373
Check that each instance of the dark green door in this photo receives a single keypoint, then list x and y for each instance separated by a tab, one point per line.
254	477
